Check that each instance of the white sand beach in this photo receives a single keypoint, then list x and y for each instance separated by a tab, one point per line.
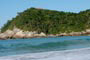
75	54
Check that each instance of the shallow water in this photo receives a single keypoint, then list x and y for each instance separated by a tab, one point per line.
36	45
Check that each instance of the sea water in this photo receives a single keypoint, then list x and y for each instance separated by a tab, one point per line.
41	46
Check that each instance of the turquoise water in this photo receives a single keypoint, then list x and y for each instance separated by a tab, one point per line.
35	45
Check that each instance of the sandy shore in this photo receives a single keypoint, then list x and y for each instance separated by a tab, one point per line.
76	54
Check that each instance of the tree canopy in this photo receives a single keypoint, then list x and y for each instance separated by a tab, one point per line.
49	21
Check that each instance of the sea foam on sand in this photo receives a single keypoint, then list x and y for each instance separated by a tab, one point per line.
75	54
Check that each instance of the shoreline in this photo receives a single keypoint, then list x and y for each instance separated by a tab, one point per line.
42	37
18	33
74	54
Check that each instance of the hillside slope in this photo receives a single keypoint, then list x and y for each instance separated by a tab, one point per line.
49	21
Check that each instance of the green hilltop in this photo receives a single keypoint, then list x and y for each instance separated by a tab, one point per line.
49	21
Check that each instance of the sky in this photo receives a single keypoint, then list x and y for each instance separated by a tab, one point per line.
10	8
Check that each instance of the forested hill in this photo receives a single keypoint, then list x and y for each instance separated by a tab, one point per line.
49	21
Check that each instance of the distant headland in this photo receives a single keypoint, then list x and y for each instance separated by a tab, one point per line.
37	22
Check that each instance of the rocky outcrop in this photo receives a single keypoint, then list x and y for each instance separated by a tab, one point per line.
3	36
75	33
9	33
29	34
17	33
40	35
87	31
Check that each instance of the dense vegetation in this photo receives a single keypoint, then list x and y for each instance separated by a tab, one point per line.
49	21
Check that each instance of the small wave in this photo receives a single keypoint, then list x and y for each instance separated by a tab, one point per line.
37	46
49	46
76	54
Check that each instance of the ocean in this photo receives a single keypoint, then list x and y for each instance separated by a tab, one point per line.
42	48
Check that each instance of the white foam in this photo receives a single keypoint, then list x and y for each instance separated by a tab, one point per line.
76	54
